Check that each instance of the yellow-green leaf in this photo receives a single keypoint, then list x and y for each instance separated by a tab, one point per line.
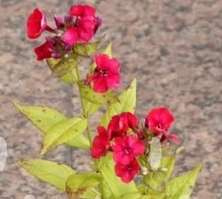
181	187
134	195
126	103
155	179
90	107
91	193
105	190
108	50
88	94
41	116
79	141
92	101
80	182
44	118
63	132
167	166
86	49
65	68
117	187
47	171
97	98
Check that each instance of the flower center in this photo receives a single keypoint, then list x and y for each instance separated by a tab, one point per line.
101	72
127	150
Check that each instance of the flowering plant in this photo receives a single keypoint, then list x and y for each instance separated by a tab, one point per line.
130	158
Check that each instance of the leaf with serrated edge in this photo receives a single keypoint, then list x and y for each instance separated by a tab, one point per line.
63	132
41	116
44	118
181	187
47	171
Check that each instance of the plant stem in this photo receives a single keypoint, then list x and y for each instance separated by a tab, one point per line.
84	113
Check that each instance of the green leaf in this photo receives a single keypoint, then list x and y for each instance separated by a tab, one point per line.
152	194
65	68
47	171
79	141
91	193
108	50
86	49
88	94
117	187
156	178
63	132
44	118
78	183
97	98
148	195
92	101
134	195
155	154
90	107
105	190
126	103
181	187
167	166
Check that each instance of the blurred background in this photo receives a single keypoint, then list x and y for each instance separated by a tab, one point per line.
173	48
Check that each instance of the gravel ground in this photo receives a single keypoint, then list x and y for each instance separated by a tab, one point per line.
173	47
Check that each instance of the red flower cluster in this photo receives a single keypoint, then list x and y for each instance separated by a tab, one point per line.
126	140
158	121
106	74
79	26
120	138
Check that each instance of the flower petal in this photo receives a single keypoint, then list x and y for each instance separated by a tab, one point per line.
44	51
70	37
36	24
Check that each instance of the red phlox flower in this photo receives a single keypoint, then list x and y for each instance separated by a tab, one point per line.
84	24
159	121
82	10
78	27
106	74
127	172
36	23
127	148
120	124
54	47
100	143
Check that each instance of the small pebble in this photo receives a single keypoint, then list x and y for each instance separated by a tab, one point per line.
3	153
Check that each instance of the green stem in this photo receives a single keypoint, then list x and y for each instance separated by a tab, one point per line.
85	115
